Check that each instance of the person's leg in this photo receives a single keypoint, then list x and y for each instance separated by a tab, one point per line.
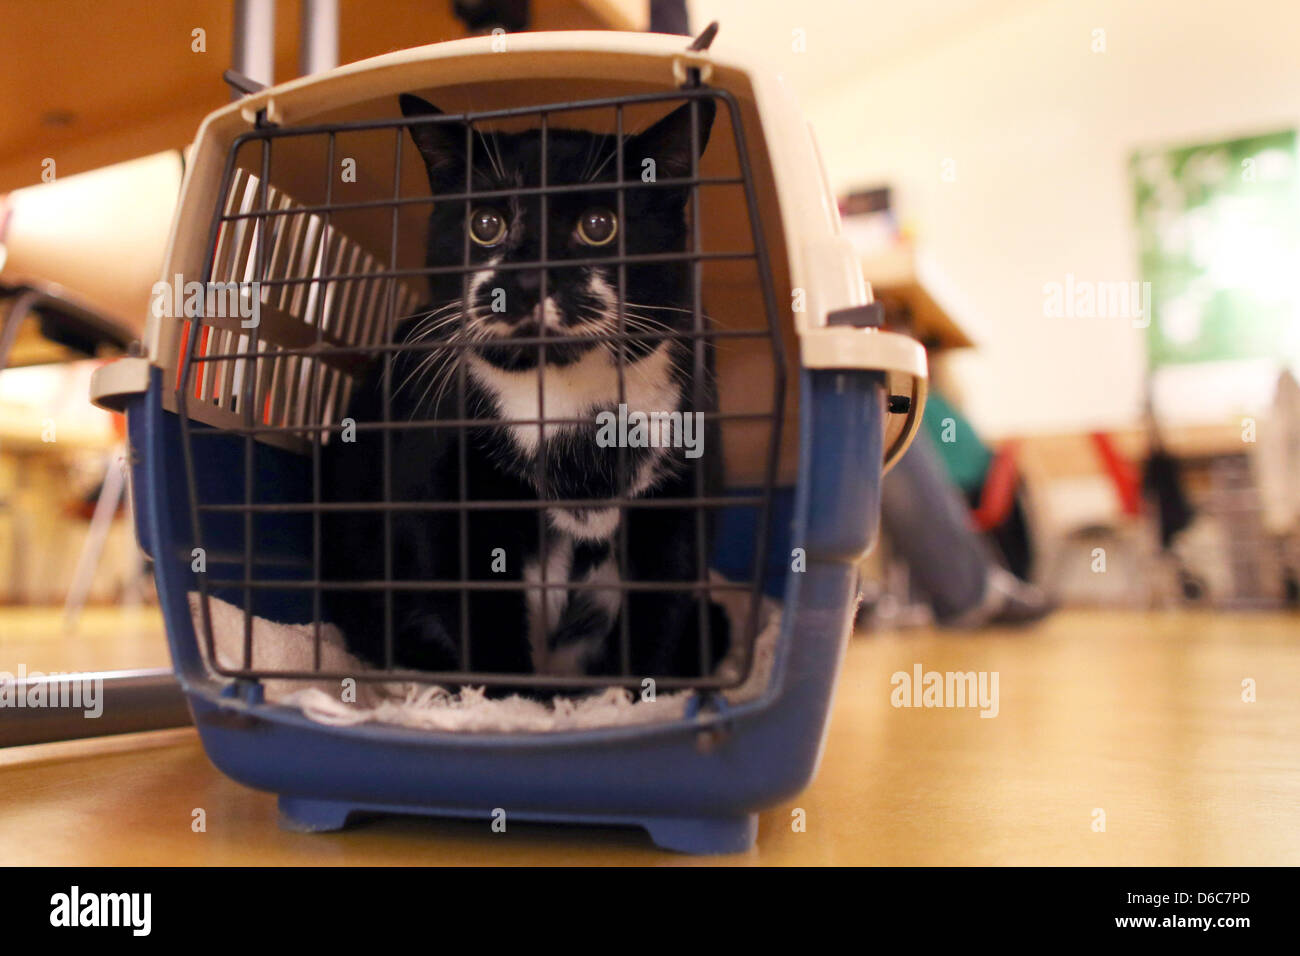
928	525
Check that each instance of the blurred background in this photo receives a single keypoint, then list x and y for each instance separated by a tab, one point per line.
1086	210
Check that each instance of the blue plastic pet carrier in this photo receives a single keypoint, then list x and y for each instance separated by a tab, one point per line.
309	201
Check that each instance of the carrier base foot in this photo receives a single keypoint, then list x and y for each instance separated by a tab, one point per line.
704	834
700	835
305	815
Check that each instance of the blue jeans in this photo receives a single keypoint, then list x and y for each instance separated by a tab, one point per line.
929	527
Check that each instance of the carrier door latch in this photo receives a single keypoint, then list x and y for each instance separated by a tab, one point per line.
842	345
869	316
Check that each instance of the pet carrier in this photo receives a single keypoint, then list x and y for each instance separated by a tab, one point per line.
303	239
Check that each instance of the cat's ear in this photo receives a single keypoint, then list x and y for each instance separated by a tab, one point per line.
441	144
668	142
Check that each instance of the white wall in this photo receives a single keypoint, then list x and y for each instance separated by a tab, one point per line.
1040	129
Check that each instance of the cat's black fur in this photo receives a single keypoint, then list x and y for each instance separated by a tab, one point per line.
426	461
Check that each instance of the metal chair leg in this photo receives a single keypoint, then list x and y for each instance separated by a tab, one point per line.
101	522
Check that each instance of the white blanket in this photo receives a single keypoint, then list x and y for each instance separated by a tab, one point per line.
289	647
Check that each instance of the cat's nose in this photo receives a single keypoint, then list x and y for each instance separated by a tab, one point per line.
529	280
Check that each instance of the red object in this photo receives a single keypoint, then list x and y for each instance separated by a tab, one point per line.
998	496
1121	472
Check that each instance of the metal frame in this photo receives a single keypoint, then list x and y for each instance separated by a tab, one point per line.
319	36
33	299
253	38
255	355
133	701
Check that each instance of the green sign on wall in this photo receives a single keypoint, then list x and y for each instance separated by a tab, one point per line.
1219	238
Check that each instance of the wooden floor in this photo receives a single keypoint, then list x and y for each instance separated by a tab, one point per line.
1137	715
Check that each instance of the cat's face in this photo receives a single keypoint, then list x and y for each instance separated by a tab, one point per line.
497	303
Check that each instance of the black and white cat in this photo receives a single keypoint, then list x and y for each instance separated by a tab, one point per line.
520	629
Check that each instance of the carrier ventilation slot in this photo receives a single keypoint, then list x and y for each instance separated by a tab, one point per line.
290	317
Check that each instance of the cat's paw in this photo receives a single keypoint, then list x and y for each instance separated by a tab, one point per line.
426	644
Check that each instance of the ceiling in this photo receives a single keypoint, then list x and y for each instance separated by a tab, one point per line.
87	84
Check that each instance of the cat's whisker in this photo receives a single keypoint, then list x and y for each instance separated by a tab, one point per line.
430	323
646	321
668	329
439	386
589	159
424	322
437	361
677	361
475	332
642	318
651	328
666	308
434	364
496	144
443	376
414	338
613	152
487	151
432	331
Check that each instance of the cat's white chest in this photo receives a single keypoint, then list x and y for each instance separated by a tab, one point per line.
575	391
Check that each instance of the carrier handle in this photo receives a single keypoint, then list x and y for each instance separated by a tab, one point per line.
851	339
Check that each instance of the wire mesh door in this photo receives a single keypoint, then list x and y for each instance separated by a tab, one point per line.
344	326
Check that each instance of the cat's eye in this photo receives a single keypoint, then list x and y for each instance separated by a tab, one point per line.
487	226
596	227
